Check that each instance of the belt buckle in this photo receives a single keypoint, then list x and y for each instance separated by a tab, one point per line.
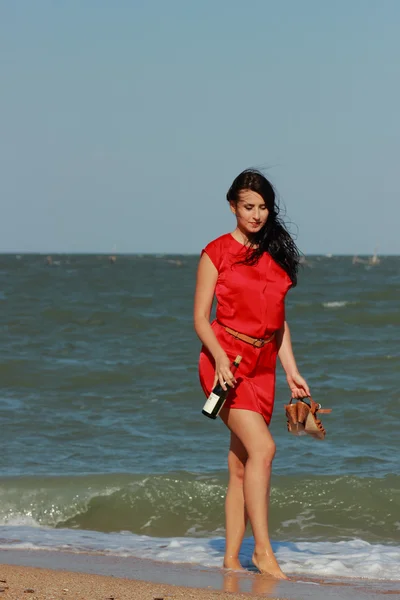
261	341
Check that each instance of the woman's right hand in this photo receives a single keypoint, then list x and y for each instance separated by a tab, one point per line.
223	372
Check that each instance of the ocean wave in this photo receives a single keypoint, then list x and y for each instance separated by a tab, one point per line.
185	504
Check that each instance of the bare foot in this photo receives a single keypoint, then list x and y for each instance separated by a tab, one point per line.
267	563
232	562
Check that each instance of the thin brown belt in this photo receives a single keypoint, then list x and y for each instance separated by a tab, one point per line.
257	342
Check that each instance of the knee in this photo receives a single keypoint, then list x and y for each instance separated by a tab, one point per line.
264	455
236	469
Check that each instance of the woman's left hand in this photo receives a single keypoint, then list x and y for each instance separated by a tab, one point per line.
298	386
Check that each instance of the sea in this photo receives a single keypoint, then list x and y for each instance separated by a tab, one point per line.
104	447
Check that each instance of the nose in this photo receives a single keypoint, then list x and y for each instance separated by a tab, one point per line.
257	214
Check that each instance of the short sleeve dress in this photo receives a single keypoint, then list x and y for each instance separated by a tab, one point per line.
250	300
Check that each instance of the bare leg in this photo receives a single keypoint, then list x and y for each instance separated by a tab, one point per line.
235	511
256	438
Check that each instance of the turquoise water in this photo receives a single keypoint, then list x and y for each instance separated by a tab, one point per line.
101	423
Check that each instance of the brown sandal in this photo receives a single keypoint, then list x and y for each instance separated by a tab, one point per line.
302	418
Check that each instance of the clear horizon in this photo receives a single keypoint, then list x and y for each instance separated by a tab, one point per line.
107	254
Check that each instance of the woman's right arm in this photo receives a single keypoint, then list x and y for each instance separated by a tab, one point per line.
207	276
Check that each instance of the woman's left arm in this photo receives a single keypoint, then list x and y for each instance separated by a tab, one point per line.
298	386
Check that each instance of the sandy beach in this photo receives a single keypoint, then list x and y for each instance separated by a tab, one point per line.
44	575
44	584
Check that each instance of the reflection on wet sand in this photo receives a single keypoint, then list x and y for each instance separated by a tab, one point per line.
243	581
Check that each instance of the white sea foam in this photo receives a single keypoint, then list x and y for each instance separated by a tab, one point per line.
355	558
336	304
18	521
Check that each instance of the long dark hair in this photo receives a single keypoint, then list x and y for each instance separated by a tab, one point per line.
273	237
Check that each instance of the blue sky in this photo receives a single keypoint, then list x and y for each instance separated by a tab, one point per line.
124	123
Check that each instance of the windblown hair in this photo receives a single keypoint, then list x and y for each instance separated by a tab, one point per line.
273	237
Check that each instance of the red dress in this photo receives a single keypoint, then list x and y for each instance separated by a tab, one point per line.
251	300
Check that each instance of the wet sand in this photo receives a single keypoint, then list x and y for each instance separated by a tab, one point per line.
55	575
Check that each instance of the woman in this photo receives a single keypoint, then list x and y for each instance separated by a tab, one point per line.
250	271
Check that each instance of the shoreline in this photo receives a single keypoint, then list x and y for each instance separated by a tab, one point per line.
92	576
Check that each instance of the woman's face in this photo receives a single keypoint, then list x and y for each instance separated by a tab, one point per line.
251	212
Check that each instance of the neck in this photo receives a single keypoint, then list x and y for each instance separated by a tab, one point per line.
242	237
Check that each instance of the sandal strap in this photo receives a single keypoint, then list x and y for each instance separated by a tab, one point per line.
314	406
